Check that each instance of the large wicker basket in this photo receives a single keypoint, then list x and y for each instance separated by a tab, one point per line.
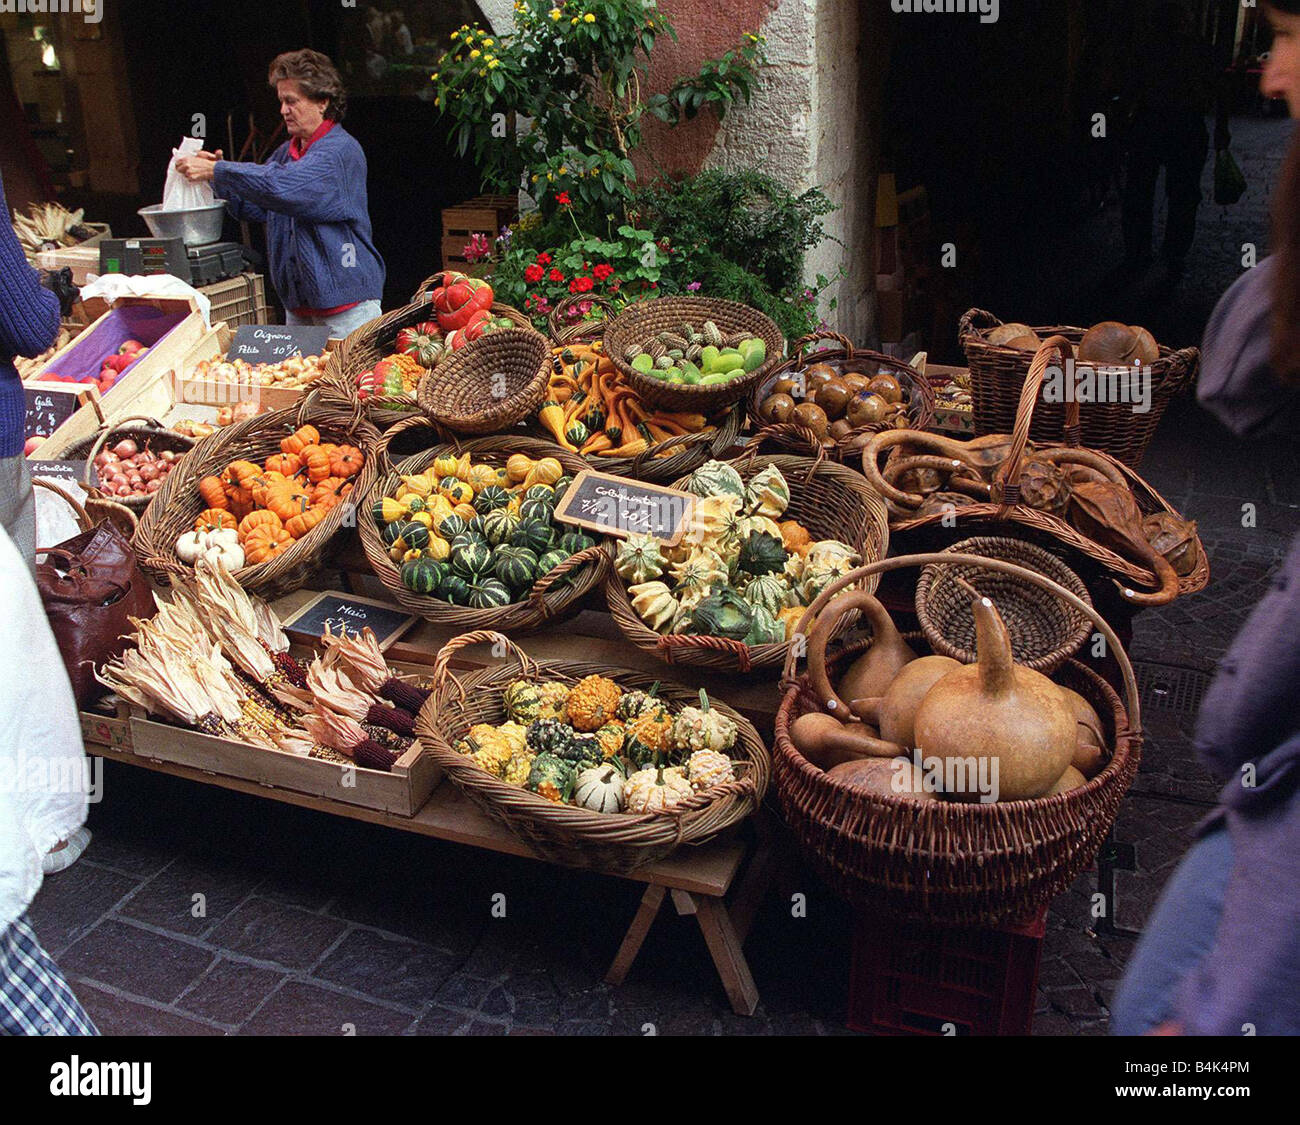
150	434
845	358
956	864
638	322
663	462
564	834
489	386
832	501
178	501
1052	529
997	373
552	596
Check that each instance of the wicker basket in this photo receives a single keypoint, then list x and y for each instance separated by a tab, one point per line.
367	345
942	862
844	359
152	434
832	501
1045	631
640	321
96	510
551	596
413	435
255	439
665	461
998	372
1044	525
564	834
490	386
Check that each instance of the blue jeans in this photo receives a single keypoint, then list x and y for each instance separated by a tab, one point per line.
1180	931
340	324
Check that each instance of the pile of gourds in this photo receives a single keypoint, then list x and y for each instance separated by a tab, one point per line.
255	513
737	572
590	409
600	748
478	534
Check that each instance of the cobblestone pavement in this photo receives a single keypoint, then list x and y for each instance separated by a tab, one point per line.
310	924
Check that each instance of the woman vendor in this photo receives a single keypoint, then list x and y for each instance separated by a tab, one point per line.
311	194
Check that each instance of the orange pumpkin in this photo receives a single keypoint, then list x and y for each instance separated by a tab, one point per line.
241	472
329	491
259	485
346	461
260	518
316	462
287	500
284	463
304	521
264	542
300	439
212	490
214	519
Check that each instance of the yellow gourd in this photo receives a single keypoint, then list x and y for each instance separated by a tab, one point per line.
445	465
547	471
518	466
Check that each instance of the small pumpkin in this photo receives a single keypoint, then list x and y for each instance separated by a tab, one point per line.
305	520
480	476
264	542
457	491
287	500
444	465
316	463
300	439
261	518
241	472
599	789
346	461
330	491
213	519
212	491
518	466
287	464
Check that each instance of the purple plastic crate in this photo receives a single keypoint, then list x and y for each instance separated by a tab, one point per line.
130	322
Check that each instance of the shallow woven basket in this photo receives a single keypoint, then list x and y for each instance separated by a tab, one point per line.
367	345
551	597
638	322
96	510
490	385
152	434
832	502
956	864
844	359
255	439
997	373
988	515
565	834
665	461
1045	631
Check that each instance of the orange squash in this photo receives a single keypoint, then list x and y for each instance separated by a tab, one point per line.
346	461
287	500
214	519
316	462
284	463
304	521
329	491
264	542
260	518
300	439
259	485
241	472
212	490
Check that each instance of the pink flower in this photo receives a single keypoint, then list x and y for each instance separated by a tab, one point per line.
694	286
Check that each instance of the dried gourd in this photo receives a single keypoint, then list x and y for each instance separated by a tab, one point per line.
639	559
654	603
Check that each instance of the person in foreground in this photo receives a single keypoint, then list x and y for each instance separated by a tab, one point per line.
1221	952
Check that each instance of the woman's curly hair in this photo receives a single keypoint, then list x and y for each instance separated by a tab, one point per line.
315	75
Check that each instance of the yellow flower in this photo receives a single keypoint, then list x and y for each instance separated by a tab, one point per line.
534	177
435	101
563	169
590	17
433	77
482	73
475	53
548	175
555	13
487	42
574	20
454	35
493	64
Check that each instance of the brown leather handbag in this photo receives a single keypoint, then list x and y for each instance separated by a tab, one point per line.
90	586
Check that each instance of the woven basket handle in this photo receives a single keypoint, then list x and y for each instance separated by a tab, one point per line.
975	322
597	553
560	325
945	558
444	681
104	433
669	644
1008	477
83	517
784	429
1182	367
825	334
638	462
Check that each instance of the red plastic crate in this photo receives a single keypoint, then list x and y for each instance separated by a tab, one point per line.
909	978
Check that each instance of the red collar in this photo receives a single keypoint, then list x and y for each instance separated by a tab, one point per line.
298	148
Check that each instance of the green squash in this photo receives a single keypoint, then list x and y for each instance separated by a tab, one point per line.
534	534
723	614
551	777
405	535
515	566
715	478
768	494
639	559
452	526
488	593
546	736
762	554
561	486
472	561
765	629
454	589
768	591
571	542
549	561
498	526
491	498
478	525
540	492
423	576
468	539
536	509
576	434
416	504
523	701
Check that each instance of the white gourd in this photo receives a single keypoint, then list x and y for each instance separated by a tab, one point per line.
768	494
647	791
654	603
639	559
707	768
600	789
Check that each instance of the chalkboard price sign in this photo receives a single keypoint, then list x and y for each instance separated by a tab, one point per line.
270	343
348	613
63	472
616	506
48	409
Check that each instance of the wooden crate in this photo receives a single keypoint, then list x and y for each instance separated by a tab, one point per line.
403	791
484	214
238	300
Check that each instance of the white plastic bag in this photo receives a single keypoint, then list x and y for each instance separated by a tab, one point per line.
181	194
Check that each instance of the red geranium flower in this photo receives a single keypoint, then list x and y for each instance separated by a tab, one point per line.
602	271
563	199
555	275
544	258
533	273
581	285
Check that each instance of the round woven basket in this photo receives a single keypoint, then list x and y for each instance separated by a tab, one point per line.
489	386
832	502
998	372
944	862
552	595
96	510
414	434
638	322
151	434
255	439
664	461
1045	631
844	359
1045	525
565	834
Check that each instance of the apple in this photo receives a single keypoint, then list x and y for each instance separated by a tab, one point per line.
31	445
119	362
130	347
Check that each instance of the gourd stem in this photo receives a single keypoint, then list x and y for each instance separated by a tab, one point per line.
992	649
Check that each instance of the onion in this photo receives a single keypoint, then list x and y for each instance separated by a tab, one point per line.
167	455
145	456
125	448
153	486
148	471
